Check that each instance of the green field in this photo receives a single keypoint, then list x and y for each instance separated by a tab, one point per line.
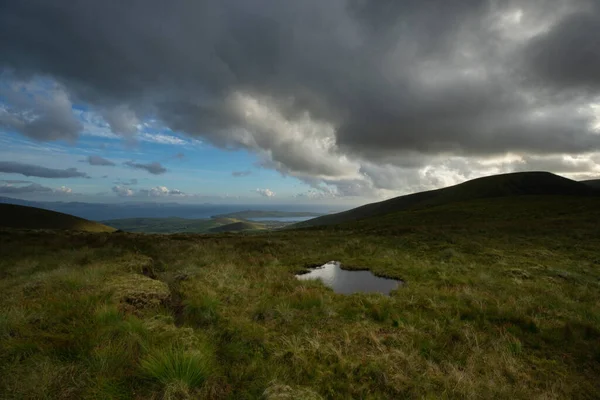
248	214
169	225
239	226
234	222
501	302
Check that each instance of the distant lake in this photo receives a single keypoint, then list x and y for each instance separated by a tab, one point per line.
281	219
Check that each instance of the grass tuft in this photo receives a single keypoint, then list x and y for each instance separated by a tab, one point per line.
176	368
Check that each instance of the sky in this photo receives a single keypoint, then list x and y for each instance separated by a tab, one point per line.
335	102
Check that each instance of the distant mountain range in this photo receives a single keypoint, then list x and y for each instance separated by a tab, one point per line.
28	214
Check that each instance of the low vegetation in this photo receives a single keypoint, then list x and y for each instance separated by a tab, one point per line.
501	301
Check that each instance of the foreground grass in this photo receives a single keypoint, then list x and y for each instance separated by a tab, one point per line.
501	301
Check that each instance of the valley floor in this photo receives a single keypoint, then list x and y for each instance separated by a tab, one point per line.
506	309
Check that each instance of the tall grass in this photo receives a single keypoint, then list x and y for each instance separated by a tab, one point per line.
174	365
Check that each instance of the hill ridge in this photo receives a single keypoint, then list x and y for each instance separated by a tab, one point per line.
25	217
502	185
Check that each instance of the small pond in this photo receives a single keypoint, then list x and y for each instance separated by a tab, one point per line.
348	282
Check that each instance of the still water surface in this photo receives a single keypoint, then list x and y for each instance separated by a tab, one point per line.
348	282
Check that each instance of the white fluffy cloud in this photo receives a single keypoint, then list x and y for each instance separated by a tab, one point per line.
265	192
157	191
64	190
123	191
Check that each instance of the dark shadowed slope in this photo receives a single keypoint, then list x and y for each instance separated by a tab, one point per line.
23	217
594	183
505	185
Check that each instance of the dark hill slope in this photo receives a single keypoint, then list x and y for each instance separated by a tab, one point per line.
505	185
23	217
594	183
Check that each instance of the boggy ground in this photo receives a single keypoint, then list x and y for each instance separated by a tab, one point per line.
501	300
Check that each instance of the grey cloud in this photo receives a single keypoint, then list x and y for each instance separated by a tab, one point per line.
99	161
155	168
10	167
239	174
42	118
13	181
121	120
556	164
32	188
325	89
122	191
569	55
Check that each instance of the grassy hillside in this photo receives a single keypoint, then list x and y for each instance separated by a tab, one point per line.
500	302
506	185
23	217
594	183
237	227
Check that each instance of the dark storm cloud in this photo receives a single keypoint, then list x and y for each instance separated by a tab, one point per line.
99	161
568	56
10	167
41	118
155	168
312	85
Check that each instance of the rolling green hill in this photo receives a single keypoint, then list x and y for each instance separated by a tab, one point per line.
168	225
23	217
237	227
505	185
